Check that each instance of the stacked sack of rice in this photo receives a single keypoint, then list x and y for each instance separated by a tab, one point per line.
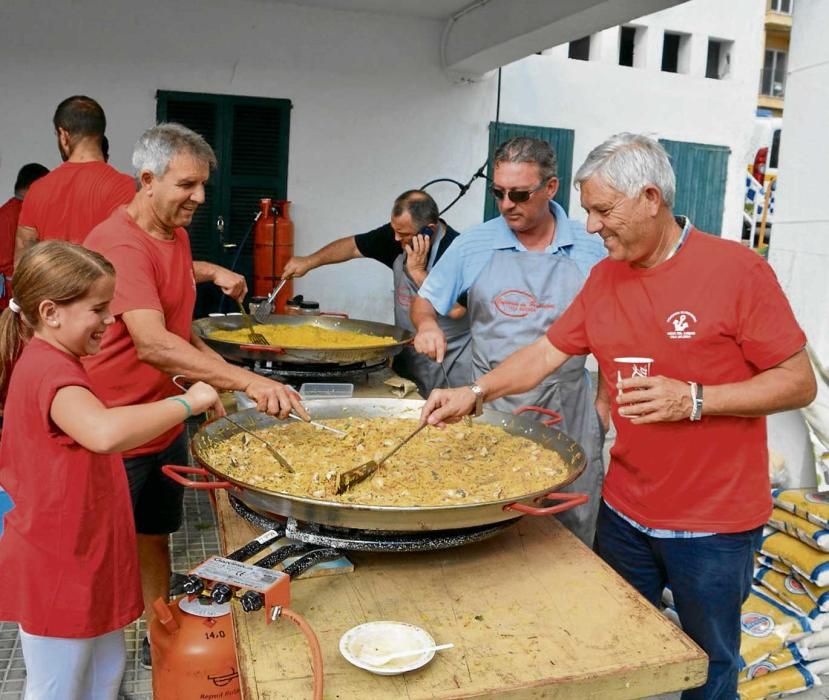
785	621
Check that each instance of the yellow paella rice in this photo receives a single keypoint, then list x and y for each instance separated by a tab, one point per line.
461	464
305	336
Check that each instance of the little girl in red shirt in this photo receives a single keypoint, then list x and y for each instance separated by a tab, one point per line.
68	558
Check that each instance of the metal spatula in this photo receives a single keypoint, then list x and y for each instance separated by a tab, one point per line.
347	479
263	310
256	338
286	465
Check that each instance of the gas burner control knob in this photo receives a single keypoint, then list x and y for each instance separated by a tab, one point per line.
251	601
221	593
192	585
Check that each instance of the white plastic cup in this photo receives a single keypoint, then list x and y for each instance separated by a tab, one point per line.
628	367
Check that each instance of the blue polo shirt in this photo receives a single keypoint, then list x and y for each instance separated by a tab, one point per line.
469	254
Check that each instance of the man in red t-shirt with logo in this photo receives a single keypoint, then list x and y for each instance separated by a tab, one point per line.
9	215
81	192
687	491
151	339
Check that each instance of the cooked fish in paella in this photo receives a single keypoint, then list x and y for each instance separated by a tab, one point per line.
304	336
462	464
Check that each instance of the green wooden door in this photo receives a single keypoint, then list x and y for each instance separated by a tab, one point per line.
560	139
250	137
701	174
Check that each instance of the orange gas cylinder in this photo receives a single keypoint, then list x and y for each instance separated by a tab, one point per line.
194	655
273	246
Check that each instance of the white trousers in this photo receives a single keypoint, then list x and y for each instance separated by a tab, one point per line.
73	669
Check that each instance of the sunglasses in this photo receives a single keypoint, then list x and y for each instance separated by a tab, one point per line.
516	196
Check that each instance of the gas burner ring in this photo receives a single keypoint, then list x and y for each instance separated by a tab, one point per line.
369	540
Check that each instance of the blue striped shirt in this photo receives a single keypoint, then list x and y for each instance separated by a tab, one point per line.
470	253
659	532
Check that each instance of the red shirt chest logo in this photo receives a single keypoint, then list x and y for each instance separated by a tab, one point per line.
681	325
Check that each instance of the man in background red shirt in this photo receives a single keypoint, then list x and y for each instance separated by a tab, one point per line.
9	215
77	195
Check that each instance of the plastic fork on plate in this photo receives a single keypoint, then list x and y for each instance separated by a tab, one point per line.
383	659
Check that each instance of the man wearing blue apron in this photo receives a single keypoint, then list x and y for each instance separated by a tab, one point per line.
521	271
410	244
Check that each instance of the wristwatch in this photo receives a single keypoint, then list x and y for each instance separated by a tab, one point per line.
479	399
696	398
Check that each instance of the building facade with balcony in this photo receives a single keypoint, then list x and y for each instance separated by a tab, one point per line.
778	29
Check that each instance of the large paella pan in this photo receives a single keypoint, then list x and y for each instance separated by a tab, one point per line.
248	352
329	512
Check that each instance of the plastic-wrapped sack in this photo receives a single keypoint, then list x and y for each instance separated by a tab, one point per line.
765	626
819	653
820	595
787	681
769	563
789	655
815	536
800	557
817	420
808	504
792	593
818	639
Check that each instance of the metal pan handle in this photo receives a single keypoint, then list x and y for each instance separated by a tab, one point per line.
177	472
568	501
554	419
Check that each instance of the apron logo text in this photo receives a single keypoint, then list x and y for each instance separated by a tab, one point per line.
518	303
404	298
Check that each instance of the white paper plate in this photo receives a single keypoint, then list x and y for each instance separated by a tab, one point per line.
386	637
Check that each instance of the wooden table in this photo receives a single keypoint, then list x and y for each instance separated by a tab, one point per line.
533	613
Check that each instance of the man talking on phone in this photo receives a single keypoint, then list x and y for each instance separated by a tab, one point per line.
410	244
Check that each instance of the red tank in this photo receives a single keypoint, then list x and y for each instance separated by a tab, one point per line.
194	657
273	246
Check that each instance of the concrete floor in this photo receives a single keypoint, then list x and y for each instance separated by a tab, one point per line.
197	540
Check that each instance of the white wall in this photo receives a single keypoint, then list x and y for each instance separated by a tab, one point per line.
800	247
598	98
800	244
373	113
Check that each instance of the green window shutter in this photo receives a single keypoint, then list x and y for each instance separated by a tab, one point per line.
701	175
202	116
560	139
250	137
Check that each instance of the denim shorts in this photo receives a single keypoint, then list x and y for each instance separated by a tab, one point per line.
157	500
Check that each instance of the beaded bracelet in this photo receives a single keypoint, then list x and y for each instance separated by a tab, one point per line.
183	402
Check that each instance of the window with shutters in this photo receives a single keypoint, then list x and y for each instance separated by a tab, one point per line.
250	138
560	139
